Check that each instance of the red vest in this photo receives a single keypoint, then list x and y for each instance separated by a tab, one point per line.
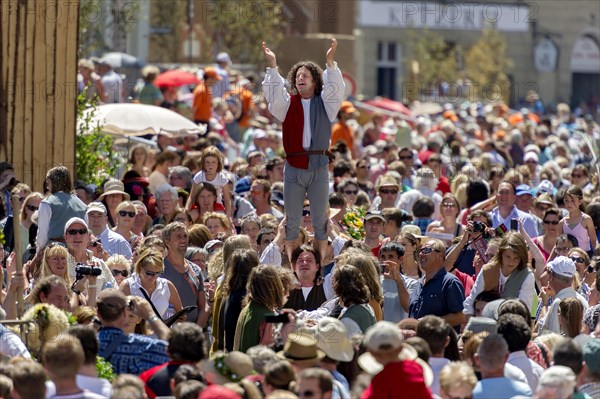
293	128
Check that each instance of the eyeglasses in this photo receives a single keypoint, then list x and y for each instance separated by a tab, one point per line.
576	259
448	205
306	212
264	177
552	222
32	208
427	251
116	272
152	274
74	232
131	214
351	192
384	191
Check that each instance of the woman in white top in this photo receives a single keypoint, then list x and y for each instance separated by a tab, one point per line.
161	291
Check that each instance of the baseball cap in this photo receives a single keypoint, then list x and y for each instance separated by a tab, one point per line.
524	189
96	207
563	266
591	355
112	298
259	134
384	335
211	72
72	221
374	215
224	57
546	186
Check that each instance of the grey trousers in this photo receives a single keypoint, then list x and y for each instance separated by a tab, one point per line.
299	183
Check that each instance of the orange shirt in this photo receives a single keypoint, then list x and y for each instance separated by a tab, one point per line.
202	103
341	131
247	99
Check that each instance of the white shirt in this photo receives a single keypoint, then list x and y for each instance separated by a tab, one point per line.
11	345
44	216
352	327
436	364
95	385
532	370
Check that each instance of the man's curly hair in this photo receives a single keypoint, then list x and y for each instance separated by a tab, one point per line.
315	71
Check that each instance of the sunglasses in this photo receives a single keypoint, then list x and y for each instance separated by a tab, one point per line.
95	243
384	191
351	192
152	274
306	212
576	259
427	251
407	157
552	222
448	205
116	272
126	213
74	232
56	244
32	208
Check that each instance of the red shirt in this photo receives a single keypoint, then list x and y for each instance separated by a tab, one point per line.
403	379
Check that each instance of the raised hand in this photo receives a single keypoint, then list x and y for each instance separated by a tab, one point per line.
331	52
269	56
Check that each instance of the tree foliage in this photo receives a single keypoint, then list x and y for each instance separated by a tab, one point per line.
95	159
172	15
486	64
240	26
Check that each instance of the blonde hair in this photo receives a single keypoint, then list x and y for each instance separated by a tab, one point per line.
457	375
117	259
150	259
53	251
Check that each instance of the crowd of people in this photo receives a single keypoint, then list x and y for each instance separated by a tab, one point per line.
334	255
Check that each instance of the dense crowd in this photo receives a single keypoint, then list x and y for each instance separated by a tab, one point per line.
459	254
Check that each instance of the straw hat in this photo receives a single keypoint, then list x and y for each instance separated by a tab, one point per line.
301	348
332	338
114	187
222	368
388	181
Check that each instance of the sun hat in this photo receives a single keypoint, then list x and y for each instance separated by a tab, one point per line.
332	338
563	266
114	187
388	181
301	348
545	198
228	367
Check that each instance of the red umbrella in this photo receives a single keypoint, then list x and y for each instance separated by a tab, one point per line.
390	105
175	77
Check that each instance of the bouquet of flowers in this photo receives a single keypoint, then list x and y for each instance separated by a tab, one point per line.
353	221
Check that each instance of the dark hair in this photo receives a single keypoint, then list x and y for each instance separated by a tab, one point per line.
568	353
515	330
593	210
572	311
45	285
89	342
28	379
315	71
240	264
552	211
350	285
323	376
515	306
424	207
477	191
60	179
279	374
421	346
434	330
186	342
340	168
576	191
166	156
393	246
262	232
396	215
336	199
568	237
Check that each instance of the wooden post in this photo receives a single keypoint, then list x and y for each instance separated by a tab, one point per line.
16	208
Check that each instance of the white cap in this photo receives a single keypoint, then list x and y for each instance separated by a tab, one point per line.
563	266
224	57
383	334
531	155
72	221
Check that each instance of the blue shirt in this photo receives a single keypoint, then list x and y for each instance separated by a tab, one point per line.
442	295
500	388
529	223
135	354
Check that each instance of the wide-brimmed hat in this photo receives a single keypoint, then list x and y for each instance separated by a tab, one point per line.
545	198
301	348
332	338
367	362
228	367
114	187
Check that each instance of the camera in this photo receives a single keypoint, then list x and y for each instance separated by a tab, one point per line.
478	227
85	270
383	268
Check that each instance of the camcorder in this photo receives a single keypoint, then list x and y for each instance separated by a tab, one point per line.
82	270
